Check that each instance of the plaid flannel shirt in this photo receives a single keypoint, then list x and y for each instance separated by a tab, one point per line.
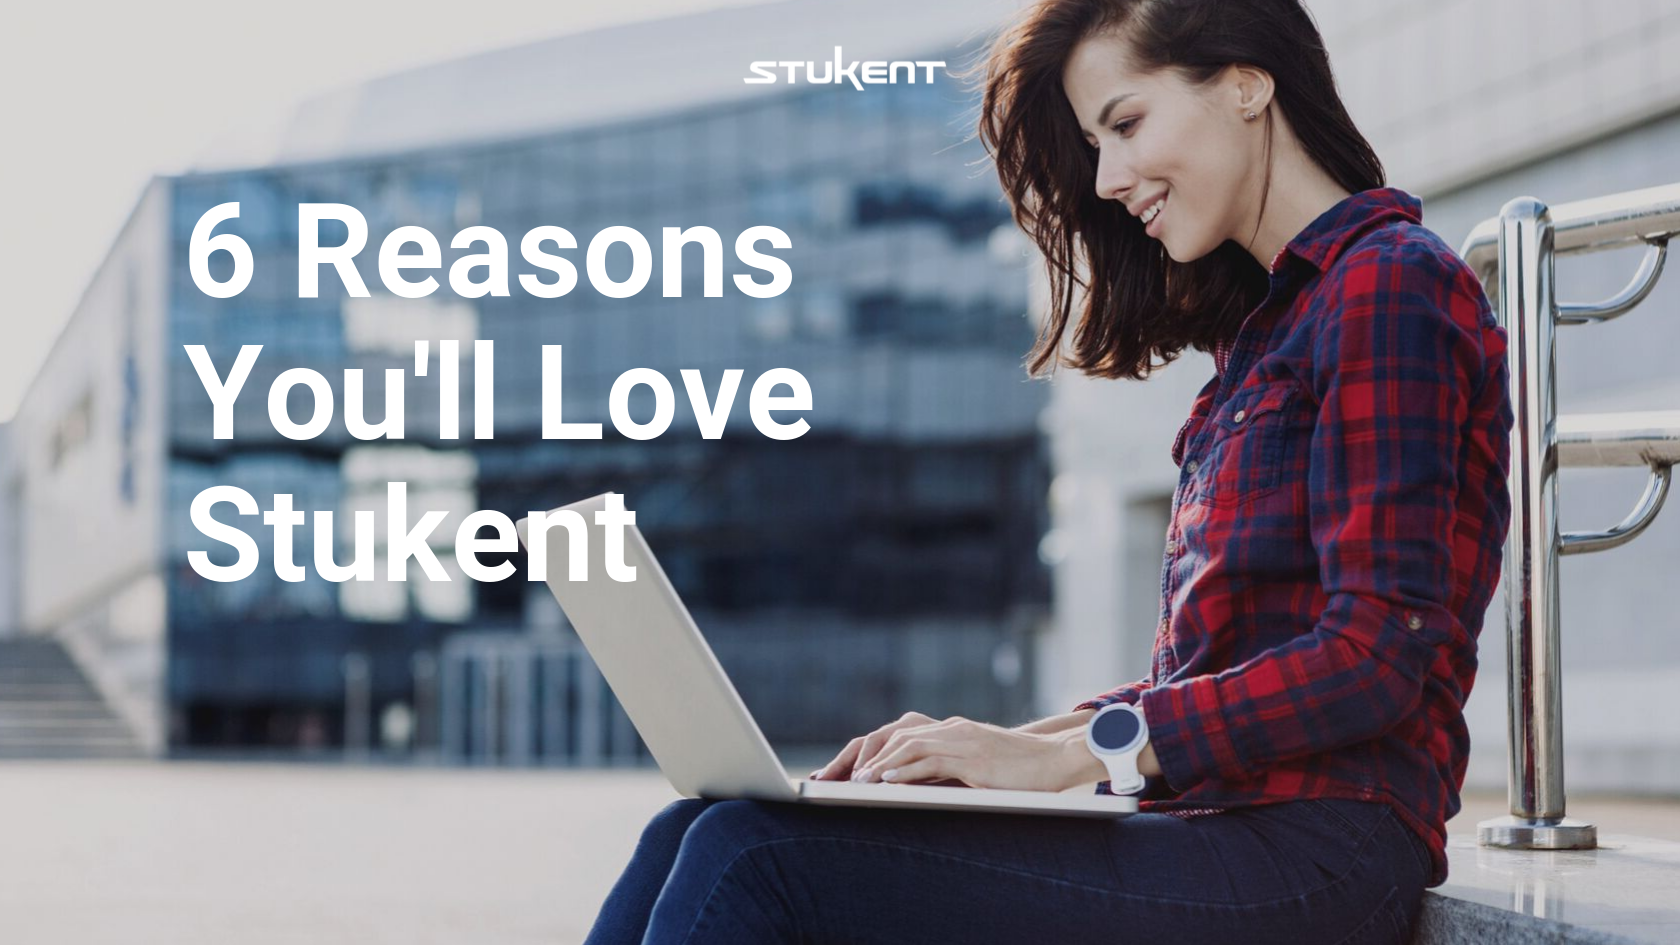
1336	533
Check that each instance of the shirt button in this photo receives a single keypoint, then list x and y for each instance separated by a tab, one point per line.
1193	465
1240	415
1414	621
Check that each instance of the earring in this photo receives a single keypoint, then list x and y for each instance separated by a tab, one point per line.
1250	116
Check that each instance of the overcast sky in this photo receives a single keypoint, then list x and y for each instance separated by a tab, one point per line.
98	99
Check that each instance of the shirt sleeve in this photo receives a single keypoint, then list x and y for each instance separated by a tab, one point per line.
1126	693
1397	363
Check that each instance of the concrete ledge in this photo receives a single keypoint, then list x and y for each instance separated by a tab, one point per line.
1449	921
1623	893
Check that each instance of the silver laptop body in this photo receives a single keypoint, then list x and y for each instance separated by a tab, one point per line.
648	647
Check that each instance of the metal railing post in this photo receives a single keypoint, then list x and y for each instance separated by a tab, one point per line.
1527	310
1513	255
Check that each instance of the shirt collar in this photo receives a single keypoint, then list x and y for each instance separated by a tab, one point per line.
1322	240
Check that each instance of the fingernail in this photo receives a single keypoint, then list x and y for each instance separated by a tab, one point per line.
889	774
816	775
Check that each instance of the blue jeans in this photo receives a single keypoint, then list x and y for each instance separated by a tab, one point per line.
743	871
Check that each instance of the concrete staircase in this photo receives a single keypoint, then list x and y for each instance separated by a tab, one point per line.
48	709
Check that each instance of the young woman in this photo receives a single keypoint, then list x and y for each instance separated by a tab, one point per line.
1336	534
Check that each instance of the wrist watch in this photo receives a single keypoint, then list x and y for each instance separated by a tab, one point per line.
1116	735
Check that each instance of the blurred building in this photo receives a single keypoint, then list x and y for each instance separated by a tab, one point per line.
885	560
1469	103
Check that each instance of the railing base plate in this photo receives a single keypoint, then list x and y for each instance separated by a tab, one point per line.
1547	833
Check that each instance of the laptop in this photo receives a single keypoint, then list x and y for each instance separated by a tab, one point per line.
694	723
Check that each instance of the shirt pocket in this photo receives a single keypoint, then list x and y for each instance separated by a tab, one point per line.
1186	433
1245	459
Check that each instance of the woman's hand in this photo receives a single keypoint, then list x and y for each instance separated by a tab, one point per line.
917	748
865	747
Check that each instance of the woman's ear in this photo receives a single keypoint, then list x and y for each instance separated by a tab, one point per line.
1252	87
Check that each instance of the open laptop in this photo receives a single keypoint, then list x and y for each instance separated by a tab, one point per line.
689	714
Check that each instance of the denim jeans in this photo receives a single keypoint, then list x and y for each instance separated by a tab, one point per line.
744	871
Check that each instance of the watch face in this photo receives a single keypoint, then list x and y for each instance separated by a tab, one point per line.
1115	730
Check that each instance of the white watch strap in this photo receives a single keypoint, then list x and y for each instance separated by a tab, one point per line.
1123	776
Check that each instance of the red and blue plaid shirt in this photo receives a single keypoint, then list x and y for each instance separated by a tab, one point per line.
1336	533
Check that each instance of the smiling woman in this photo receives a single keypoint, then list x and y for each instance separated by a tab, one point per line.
1219	121
1192	181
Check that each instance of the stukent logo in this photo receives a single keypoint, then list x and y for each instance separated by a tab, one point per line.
837	70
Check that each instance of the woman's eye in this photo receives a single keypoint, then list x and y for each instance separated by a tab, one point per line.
1123	128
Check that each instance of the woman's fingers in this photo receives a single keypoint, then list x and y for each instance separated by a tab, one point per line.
915	759
899	752
942	732
841	767
933	766
864	747
877	740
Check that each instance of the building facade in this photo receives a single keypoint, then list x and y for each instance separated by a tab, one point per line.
885	560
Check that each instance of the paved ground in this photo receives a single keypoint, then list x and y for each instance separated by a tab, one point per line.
200	853
211	854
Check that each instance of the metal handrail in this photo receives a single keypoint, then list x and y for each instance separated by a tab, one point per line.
1581	226
1643	514
1513	255
1643	281
1634	438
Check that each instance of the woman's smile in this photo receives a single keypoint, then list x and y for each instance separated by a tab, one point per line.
1152	217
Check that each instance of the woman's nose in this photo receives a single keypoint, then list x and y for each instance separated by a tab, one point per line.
1114	179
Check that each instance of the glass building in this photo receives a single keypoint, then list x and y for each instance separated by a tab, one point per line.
886	560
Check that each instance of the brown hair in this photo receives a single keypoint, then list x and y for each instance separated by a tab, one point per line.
1139	304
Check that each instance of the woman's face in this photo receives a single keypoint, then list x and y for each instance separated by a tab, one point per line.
1159	138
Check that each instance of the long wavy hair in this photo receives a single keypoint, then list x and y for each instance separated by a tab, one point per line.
1139	304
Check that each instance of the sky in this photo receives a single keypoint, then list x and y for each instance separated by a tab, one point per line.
97	100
